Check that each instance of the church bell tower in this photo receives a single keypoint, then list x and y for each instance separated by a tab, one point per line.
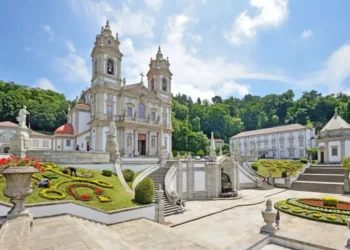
159	77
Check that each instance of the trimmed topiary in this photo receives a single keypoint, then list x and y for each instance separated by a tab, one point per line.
107	172
128	175
255	166
144	191
330	201
303	160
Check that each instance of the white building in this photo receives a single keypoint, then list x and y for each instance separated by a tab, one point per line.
289	141
334	140
38	141
140	112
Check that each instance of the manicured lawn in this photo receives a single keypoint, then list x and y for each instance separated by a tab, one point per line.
131	182
278	166
120	198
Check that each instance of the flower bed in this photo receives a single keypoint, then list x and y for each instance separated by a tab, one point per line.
313	209
47	194
84	197
104	198
342	205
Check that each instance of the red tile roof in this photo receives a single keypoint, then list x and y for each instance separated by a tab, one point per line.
66	129
83	105
8	124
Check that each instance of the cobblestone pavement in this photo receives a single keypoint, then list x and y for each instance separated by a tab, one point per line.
236	226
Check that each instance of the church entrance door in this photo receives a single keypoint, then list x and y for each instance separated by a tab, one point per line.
142	144
322	157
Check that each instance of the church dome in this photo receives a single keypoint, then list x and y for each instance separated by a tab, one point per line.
66	129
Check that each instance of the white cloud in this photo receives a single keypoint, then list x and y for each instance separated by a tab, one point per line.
72	67
70	47
307	34
48	30
154	4
271	14
123	20
28	48
334	72
44	83
192	75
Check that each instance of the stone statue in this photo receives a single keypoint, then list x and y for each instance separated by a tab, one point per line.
22	115
112	129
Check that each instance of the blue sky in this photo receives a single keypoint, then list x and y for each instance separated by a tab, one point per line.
228	49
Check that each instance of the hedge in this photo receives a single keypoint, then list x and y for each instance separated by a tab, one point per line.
144	191
107	172
128	175
330	201
255	166
303	160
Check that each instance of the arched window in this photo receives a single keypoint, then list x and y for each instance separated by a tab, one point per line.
110	67
95	66
164	87
141	111
152	84
109	41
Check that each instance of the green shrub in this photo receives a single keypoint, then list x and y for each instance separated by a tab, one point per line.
144	191
284	174
65	171
314	162
51	176
346	163
128	175
107	172
303	160
255	166
330	201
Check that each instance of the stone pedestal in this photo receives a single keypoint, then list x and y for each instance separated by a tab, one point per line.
346	182
270	179
20	142
18	187
160	206
269	216
113	148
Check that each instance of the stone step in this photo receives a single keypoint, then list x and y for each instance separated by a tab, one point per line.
324	170
322	177
314	186
326	165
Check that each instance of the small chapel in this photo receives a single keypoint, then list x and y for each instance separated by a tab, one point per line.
334	140
141	111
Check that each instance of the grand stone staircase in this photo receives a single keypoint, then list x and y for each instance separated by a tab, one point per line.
325	178
158	177
67	232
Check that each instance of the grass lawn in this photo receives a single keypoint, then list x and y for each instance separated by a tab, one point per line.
278	166
120	198
131	182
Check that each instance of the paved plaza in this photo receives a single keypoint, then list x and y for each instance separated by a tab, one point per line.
235	228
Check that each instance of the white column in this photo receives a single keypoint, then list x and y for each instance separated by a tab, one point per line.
136	144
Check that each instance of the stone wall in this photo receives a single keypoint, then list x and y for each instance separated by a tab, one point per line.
69	157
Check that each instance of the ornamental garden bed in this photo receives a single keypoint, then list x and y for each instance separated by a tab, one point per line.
90	188
313	209
277	167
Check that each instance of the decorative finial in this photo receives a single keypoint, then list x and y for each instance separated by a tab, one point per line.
69	107
159	51
107	23
335	113
124	81
116	36
167	58
102	29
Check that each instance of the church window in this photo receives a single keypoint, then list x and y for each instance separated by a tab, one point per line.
291	154
166	142
301	143
282	154
129	111
164	119
109	109
334	151
301	153
109	41
95	66
141	111
110	67
35	143
153	116
68	143
164	87
152	84
45	143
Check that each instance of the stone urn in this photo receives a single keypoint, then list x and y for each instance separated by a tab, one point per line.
159	193
18	187
287	180
269	215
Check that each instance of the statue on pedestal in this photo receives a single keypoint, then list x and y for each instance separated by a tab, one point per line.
112	143
22	115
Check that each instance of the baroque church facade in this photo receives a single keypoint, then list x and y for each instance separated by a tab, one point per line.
141	114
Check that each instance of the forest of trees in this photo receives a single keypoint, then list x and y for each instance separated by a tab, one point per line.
227	117
193	121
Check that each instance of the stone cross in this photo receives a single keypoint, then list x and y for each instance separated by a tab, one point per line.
142	75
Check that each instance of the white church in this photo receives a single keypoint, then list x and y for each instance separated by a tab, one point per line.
140	112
